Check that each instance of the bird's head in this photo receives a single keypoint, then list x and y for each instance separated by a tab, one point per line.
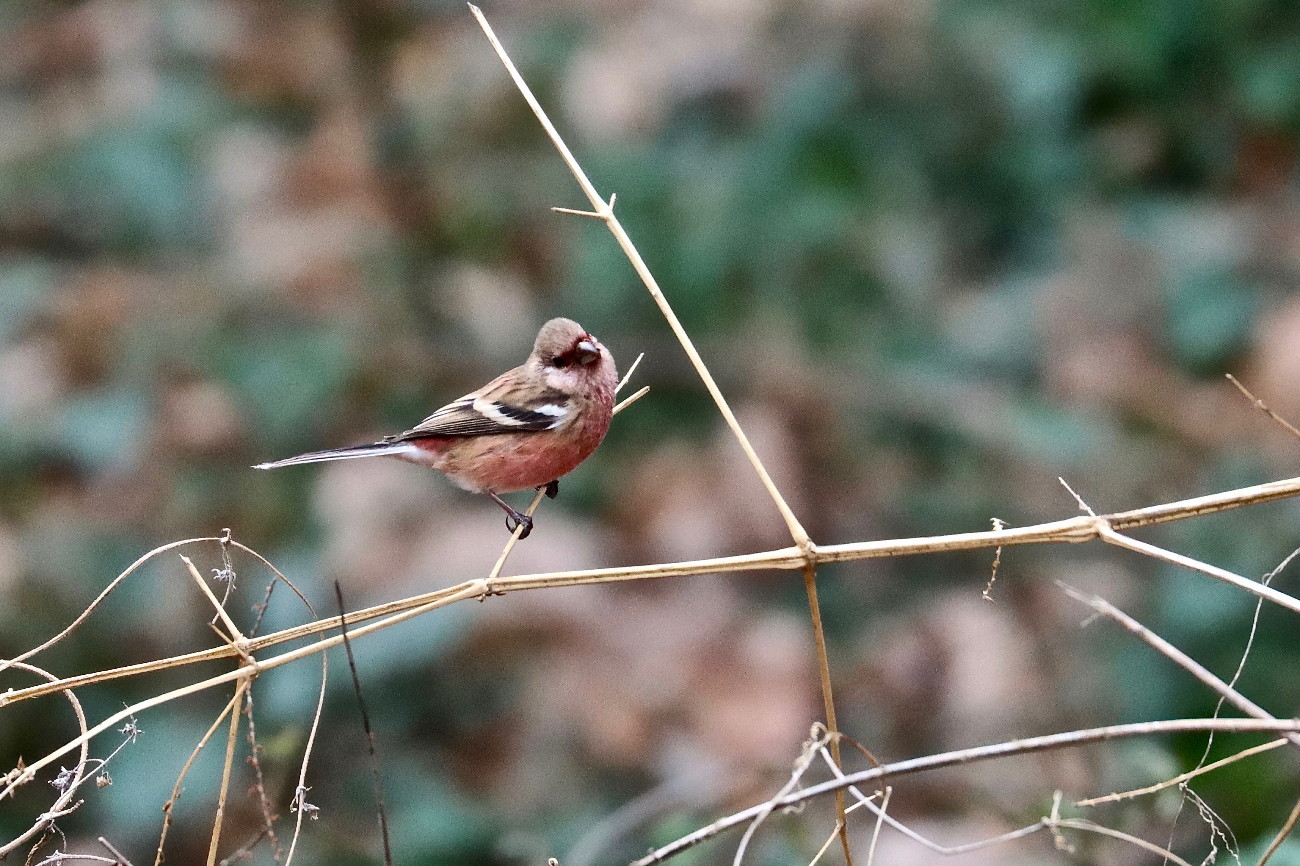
566	355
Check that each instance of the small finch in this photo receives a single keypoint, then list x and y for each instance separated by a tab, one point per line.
526	428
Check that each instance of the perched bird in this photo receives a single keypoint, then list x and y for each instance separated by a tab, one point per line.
526	428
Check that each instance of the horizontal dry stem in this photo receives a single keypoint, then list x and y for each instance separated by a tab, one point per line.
966	756
1073	530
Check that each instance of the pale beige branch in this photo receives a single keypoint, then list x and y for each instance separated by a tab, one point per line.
1174	654
1287	827
236	636
1264	407
821	852
604	211
875	831
231	738
1254	587
1073	530
1093	827
627	377
177	788
966	756
1182	777
299	804
68	790
632	398
113	584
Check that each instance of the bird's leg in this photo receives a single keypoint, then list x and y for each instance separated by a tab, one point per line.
552	489
514	517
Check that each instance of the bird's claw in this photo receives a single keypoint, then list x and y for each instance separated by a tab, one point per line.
515	519
552	489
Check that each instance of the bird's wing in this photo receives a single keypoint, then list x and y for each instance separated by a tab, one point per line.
496	408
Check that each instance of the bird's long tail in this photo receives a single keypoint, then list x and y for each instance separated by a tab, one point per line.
375	449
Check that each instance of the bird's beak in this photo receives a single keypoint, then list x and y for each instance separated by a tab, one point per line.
587	350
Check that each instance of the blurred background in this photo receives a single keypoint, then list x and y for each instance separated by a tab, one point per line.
937	253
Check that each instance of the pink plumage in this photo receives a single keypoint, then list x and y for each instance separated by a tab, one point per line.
526	428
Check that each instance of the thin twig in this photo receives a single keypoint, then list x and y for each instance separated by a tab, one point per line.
226	766
67	790
818	738
365	726
1287	827
1083	506
236	636
1263	407
299	804
1182	777
1093	827
60	858
1174	654
863	800
605	212
260	609
627	377
821	852
632	398
259	781
828	699
117	855
875	832
243	851
966	756
185	769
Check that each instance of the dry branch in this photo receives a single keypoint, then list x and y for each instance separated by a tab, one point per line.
1073	530
967	756
1174	654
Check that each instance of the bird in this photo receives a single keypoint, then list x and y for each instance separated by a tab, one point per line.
526	428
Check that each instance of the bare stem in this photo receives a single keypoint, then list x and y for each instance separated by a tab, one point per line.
966	756
231	739
605	211
1073	530
1174	654
828	698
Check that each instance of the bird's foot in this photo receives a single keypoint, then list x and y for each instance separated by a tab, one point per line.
516	519
552	489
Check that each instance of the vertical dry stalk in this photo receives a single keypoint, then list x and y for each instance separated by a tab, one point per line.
604	211
828	699
168	807
231	739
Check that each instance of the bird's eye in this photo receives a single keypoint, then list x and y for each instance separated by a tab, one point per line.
560	363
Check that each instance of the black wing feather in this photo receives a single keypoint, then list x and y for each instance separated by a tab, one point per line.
460	418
